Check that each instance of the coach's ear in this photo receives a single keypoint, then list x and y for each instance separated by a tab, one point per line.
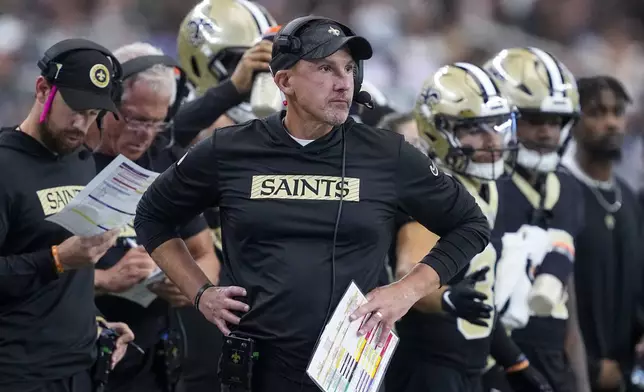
42	90
283	81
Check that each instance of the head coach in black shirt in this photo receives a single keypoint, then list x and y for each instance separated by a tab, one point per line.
307	200
48	325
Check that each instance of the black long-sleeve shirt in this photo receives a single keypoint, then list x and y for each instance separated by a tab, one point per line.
47	320
278	202
200	113
136	370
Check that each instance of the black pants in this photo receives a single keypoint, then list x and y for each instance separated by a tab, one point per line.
270	378
135	373
406	375
273	382
202	350
553	364
80	382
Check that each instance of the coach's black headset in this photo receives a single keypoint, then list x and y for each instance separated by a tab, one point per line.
142	63
49	70
289	49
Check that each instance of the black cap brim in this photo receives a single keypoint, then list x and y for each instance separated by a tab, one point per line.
80	100
359	47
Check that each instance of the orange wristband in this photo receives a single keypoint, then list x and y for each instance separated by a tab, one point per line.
518	367
59	266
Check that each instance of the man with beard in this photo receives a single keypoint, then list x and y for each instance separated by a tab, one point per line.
48	323
609	249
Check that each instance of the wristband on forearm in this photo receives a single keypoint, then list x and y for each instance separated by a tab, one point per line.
200	293
504	350
57	263
522	364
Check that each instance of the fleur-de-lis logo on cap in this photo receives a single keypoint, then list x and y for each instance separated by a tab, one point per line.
334	31
99	75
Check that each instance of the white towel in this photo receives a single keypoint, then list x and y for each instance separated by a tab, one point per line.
517	314
536	244
510	267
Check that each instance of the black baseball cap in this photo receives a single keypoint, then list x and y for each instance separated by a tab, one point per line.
321	39
84	79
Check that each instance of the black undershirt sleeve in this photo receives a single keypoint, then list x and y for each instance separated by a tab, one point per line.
177	196
503	349
22	274
441	204
25	273
199	114
194	227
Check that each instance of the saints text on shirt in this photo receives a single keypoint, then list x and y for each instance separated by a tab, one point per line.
305	187
53	200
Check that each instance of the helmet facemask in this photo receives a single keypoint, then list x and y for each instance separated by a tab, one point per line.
544	157
484	162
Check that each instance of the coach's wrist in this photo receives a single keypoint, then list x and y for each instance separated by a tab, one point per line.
423	280
100	281
202	289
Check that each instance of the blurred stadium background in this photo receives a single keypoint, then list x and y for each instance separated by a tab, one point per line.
411	38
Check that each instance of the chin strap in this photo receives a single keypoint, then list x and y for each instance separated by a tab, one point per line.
485	171
532	160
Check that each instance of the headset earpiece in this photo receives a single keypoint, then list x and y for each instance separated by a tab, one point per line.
288	45
358	78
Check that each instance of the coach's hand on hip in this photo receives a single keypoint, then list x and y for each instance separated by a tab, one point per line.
216	304
387	304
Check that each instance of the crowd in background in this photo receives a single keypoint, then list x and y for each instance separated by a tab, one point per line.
411	38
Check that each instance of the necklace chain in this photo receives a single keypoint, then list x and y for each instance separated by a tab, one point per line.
609	207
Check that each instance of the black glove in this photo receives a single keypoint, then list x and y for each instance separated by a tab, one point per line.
462	301
528	379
